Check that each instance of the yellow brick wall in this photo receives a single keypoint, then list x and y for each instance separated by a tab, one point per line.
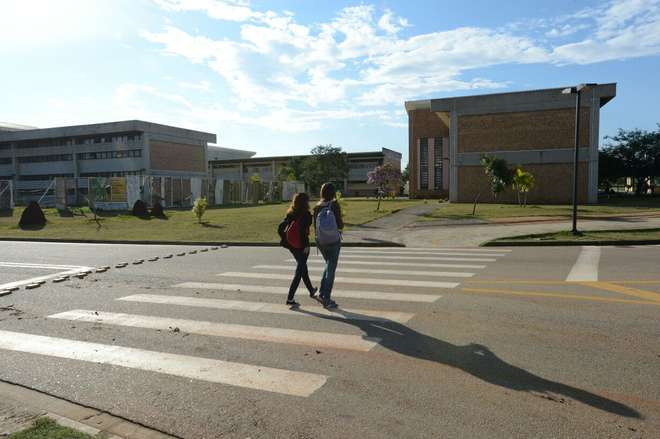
424	123
521	131
554	184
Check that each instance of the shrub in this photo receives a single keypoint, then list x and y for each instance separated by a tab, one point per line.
140	209
32	216
157	210
199	208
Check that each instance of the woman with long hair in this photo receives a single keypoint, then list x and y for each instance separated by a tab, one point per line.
296	238
328	225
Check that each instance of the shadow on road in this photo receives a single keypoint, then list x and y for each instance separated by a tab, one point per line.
475	359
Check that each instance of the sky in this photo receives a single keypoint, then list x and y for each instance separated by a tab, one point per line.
279	77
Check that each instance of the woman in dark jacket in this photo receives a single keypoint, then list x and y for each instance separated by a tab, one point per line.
328	225
299	221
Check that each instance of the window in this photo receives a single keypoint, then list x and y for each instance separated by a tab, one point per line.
424	163
437	163
105	155
5	160
46	158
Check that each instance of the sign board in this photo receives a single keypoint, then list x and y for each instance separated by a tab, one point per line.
118	190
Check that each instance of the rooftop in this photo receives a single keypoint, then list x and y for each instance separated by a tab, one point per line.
286	157
32	133
605	92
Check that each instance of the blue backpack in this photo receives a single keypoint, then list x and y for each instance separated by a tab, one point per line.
327	232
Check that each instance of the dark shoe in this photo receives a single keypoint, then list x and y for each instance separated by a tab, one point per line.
292	303
313	292
329	304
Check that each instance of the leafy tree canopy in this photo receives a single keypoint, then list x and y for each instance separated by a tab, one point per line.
327	163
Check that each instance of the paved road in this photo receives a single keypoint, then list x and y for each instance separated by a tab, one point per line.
460	342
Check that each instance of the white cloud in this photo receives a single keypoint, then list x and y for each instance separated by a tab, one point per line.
358	58
229	10
204	86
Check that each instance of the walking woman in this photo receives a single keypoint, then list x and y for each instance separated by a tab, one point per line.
294	231
328	224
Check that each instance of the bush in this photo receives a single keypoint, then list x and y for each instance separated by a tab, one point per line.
140	209
32	216
199	208
157	211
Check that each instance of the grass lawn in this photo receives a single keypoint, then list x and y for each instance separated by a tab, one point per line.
243	223
457	211
46	428
587	236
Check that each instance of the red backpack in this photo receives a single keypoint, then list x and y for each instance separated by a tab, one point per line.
293	234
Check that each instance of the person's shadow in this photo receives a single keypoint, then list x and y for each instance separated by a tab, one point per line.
475	359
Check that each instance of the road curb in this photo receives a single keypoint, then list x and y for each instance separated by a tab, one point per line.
77	416
498	243
191	243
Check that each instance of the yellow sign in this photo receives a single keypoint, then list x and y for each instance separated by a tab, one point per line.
118	189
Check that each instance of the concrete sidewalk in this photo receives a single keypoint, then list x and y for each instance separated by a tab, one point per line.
402	228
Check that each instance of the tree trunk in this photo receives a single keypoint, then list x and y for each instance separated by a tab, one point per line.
474	207
378	207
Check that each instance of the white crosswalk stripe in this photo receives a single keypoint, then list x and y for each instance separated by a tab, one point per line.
238	305
412	258
397	264
461	249
353	280
205	369
402	270
353	294
421	253
373	271
259	333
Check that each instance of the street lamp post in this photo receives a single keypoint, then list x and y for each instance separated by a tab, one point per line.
577	91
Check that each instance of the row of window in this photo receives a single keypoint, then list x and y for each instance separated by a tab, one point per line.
424	163
122	139
46	158
5	160
104	155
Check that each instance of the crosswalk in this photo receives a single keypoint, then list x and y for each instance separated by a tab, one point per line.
378	286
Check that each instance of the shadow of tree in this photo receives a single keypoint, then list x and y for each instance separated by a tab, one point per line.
475	359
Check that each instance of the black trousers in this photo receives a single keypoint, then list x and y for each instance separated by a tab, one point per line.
301	272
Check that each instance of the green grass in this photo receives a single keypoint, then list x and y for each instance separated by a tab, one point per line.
46	428
587	236
240	224
458	211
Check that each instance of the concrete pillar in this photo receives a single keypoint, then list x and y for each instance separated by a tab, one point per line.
14	161
453	153
594	138
431	162
76	170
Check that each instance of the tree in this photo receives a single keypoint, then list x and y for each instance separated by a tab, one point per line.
199	208
638	152
523	182
610	169
327	163
499	177
387	178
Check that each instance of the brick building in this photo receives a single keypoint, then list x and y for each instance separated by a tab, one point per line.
534	129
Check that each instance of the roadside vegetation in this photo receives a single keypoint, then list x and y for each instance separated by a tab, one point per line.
244	223
599	236
612	207
46	428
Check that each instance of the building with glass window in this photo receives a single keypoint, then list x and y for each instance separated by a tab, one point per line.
268	169
534	129
31	158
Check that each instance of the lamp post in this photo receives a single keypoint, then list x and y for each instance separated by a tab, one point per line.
577	90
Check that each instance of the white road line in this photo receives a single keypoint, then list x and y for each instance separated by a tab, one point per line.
371	271
273	308
396	264
586	266
353	280
411	258
246	332
205	369
37	265
420	253
463	249
354	294
21	283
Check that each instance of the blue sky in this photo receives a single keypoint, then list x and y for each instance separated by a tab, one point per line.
279	77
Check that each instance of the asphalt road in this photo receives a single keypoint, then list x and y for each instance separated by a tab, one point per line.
427	343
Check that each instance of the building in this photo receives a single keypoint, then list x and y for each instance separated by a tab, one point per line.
534	129
32	157
216	152
268	169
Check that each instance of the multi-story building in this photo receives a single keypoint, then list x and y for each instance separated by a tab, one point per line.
533	129
32	157
268	169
